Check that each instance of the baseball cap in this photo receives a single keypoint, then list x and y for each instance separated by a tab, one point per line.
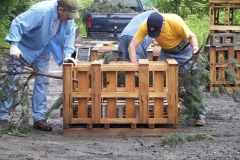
154	24
71	7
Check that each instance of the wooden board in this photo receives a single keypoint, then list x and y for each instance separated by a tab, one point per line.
118	132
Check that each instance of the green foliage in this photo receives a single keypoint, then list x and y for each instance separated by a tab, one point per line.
18	90
108	57
19	94
176	138
231	75
56	105
203	74
20	129
106	8
147	4
81	6
199	26
8	11
165	6
183	8
236	96
20	126
190	7
191	94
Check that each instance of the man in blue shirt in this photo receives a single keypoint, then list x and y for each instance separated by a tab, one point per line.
127	35
47	27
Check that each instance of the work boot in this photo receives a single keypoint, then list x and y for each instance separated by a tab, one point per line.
42	125
4	123
199	122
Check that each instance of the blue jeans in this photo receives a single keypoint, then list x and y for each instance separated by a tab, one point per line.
181	57
124	42
40	89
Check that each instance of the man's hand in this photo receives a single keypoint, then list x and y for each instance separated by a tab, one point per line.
15	52
195	49
70	60
195	54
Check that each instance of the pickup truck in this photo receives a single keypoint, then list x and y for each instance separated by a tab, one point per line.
110	26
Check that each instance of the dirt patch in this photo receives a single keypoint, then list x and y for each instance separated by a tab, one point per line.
222	123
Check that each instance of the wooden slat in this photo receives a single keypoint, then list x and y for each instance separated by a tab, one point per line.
172	78
81	121
119	94
158	87
130	87
150	54
222	27
143	91
67	81
125	94
224	1
96	91
83	101
111	87
221	60
120	66
212	60
83	66
231	56
119	132
94	55
80	95
119	120
238	59
107	47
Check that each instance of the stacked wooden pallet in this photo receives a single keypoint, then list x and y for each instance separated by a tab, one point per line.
223	41
223	16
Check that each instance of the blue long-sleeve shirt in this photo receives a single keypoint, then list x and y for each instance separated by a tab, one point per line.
32	30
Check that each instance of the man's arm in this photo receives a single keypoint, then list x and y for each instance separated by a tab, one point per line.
132	50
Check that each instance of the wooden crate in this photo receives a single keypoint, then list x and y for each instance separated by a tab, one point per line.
92	97
217	59
153	51
227	22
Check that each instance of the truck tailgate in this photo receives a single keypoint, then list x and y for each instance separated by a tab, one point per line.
109	23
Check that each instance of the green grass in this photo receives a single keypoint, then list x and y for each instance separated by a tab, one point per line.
176	138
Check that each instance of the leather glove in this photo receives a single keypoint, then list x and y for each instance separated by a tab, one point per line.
15	52
70	60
